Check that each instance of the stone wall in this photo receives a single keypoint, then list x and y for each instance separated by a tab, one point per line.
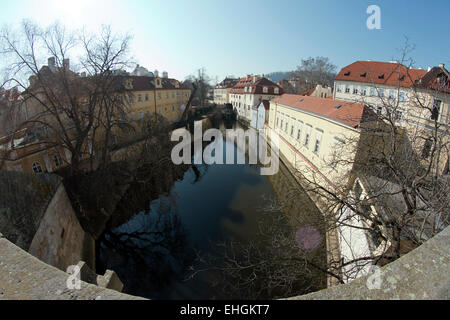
60	241
24	277
421	274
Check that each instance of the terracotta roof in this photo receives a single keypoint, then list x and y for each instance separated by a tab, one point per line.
438	78
265	103
143	83
257	87
309	92
227	83
384	73
349	113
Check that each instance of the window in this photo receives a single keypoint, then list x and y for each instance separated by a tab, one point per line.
146	97
318	140
278	122
436	109
173	94
398	115
364	91
379	110
57	160
265	90
299	131
276	91
159	95
286	126
347	89
355	90
372	92
339	88
381	93
427	148
292	130
159	110
307	135
139	97
141	114
401	96
173	108
37	167
391	94
167	95
147	114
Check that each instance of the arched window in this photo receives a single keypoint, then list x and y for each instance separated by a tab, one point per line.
37	167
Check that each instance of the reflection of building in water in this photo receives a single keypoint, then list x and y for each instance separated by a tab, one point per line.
303	216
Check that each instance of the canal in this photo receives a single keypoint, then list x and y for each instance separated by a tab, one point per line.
181	244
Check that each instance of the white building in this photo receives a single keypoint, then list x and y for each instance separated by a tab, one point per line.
249	91
260	115
222	91
378	85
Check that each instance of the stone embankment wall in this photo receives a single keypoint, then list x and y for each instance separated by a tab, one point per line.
60	241
423	274
24	277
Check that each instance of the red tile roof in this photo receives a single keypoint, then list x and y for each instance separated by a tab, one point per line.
384	73
256	87
142	83
349	113
309	92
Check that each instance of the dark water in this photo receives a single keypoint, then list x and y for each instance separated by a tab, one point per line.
155	251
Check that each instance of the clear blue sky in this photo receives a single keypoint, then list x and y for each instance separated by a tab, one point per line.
254	36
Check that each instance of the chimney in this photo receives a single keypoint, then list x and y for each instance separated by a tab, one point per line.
165	74
32	80
66	64
51	63
156	73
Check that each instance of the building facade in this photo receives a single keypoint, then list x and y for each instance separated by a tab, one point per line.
222	91
28	149
312	129
415	99
249	92
381	85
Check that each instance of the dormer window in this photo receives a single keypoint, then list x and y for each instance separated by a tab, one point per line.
363	74
381	76
265	90
347	73
276	90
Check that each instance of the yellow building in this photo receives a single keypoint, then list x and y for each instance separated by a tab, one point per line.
28	150
155	95
428	120
313	132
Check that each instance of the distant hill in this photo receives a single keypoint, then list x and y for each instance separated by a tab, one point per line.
278	75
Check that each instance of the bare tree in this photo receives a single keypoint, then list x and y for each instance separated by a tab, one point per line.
202	83
314	71
63	106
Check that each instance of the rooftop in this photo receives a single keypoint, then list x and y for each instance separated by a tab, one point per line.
383	73
349	113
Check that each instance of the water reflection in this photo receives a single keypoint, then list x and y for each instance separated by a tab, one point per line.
155	248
